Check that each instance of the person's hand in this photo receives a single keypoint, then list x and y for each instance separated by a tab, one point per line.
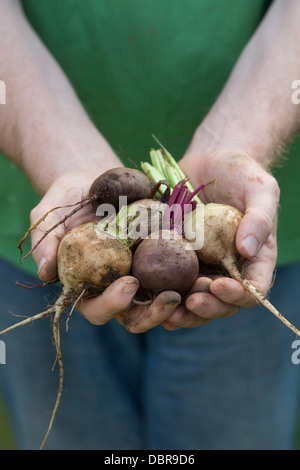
117	300
244	184
45	131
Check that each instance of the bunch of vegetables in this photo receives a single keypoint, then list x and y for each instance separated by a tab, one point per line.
151	238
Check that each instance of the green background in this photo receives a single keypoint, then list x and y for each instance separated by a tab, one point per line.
171	82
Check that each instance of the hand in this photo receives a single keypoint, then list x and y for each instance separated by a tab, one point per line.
117	300
242	183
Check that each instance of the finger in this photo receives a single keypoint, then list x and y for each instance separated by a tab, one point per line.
231	292
54	226
183	318
141	318
116	298
45	253
260	216
207	306
201	285
259	272
260	269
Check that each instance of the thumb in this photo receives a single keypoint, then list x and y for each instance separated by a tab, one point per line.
44	253
260	219
45	256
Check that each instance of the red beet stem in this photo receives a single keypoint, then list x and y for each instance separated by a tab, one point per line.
181	201
194	193
80	205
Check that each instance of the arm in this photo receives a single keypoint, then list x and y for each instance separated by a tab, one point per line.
239	140
46	132
44	129
43	119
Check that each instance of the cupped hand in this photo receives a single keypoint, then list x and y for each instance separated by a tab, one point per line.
234	178
117	300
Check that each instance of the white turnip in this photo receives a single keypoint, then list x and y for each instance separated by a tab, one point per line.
89	259
221	223
220	227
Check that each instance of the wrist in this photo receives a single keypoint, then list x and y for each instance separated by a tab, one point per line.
64	147
223	134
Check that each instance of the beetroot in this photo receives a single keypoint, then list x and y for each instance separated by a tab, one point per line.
165	261
106	189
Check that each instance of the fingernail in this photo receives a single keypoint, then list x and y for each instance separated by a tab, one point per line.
250	244
198	309
41	264
130	288
171	305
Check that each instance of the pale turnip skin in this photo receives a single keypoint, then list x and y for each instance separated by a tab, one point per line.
221	223
144	217
91	259
165	261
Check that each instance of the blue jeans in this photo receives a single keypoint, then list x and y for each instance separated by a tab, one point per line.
230	384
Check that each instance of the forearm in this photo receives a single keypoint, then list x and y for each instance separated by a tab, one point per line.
254	112
43	127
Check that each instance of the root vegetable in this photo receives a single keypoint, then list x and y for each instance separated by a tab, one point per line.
221	223
112	184
165	261
89	259
220	226
143	218
106	189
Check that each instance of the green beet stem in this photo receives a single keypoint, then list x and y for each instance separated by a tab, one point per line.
164	164
153	174
157	161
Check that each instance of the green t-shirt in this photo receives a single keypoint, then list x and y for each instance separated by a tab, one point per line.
144	67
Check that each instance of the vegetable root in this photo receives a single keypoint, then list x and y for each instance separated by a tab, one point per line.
89	259
259	297
107	188
165	260
38	316
59	309
80	205
55	311
220	227
91	256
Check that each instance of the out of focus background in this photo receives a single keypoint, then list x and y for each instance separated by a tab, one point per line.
7	441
